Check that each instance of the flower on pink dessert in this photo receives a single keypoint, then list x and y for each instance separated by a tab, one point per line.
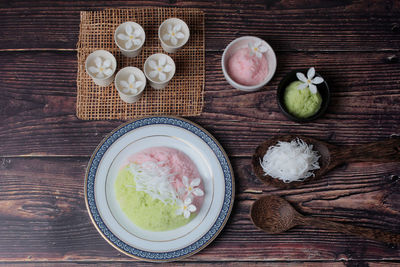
309	81
192	188
257	48
186	207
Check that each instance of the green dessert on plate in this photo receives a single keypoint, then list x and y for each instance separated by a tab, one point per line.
144	211
159	189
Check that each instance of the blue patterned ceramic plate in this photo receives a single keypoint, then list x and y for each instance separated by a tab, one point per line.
211	161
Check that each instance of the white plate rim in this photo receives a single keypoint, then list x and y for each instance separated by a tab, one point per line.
196	246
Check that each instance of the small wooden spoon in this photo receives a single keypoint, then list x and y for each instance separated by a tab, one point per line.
274	214
331	156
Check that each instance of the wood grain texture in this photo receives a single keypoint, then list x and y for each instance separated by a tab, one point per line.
275	215
44	148
343	263
37	104
43	215
287	25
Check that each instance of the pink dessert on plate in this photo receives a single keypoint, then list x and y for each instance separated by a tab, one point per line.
180	166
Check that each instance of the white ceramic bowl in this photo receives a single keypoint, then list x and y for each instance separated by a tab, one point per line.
90	63
163	29
155	82
123	76
121	43
240	43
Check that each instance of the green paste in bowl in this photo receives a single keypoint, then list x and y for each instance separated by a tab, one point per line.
301	103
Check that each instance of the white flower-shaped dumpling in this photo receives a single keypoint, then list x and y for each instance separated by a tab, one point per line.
131	86
160	69
102	69
132	36
173	34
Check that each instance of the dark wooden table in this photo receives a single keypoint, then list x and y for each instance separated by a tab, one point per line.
44	148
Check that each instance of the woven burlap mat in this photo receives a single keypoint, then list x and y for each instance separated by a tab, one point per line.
183	96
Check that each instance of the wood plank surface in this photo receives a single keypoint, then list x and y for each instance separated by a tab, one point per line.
287	25
350	263
39	95
43	215
44	148
342	263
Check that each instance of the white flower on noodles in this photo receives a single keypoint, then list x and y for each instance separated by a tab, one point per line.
309	81
159	69
173	34
192	188
131	37
290	161
102	69
155	180
186	207
131	86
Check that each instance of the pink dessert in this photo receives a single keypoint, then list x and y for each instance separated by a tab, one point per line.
247	69
180	166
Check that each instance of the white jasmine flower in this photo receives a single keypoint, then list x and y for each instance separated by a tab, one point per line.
192	189
257	48
131	86
173	34
154	180
160	69
102	68
309	81
131	36
186	207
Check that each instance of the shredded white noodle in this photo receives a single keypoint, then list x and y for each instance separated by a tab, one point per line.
290	161
155	180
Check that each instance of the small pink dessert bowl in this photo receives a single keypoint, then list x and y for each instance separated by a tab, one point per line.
240	43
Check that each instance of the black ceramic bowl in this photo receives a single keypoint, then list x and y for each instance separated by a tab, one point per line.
323	89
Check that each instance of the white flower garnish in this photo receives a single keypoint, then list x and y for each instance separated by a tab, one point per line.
309	81
131	86
102	68
257	48
160	69
192	189
131	36
185	207
173	34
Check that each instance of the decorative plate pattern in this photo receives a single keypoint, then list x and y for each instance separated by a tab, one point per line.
204	240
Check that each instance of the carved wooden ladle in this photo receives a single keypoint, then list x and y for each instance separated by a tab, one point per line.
331	156
274	214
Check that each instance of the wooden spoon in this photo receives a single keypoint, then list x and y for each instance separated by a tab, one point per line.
331	156
274	214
